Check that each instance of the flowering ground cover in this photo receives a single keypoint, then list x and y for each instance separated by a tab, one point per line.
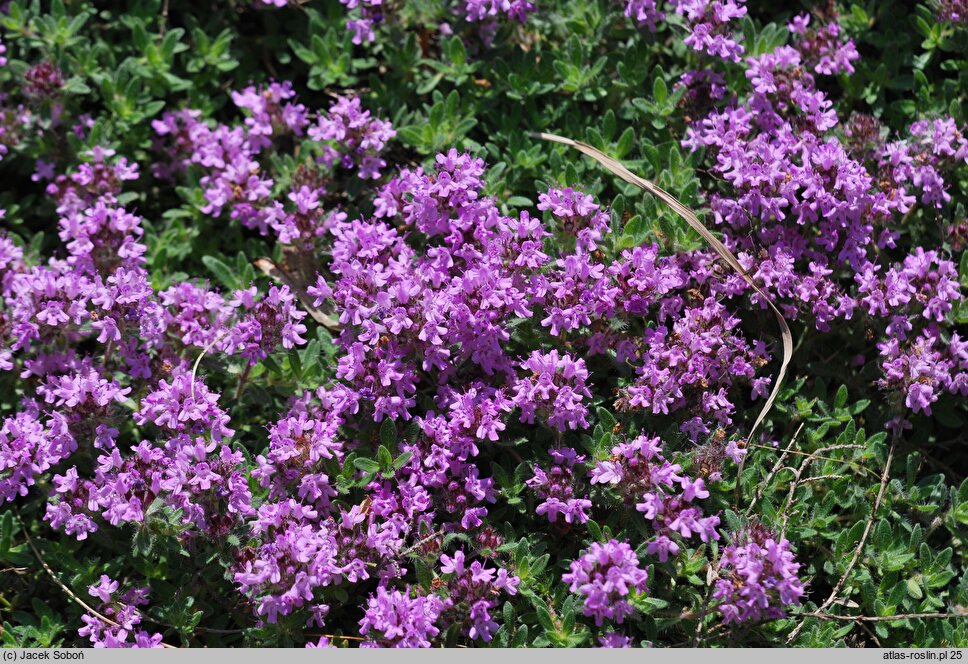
309	338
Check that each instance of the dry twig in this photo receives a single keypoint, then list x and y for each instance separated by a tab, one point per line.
900	616
859	549
70	593
776	468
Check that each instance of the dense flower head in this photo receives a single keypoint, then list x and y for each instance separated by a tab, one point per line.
367	15
555	487
42	81
955	11
613	640
479	10
354	138
645	13
555	388
229	156
184	405
98	179
201	481
578	215
605	574
821	46
398	620
298	444
758	577
267	322
29	446
709	24
920	370
474	590
301	555
638	470
270	110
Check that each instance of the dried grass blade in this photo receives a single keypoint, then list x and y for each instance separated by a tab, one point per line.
616	167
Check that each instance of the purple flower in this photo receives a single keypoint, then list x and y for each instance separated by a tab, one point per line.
758	577
604	575
184	405
123	611
474	590
613	640
395	619
29	446
556	388
354	139
555	488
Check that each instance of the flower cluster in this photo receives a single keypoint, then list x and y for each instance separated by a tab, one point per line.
234	179
709	25
639	472
955	11
555	488
481	10
822	48
613	640
474	591
708	22
355	138
399	620
645	13
184	405
757	578
29	446
367	15
555	389
605	574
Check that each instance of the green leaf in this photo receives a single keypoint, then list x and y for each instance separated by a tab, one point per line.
367	465
295	363
425	576
402	460
841	399
732	520
545	619
384	458
607	420
388	433
223	272
6	532
660	91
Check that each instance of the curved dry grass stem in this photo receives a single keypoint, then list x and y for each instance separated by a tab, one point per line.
616	167
198	360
